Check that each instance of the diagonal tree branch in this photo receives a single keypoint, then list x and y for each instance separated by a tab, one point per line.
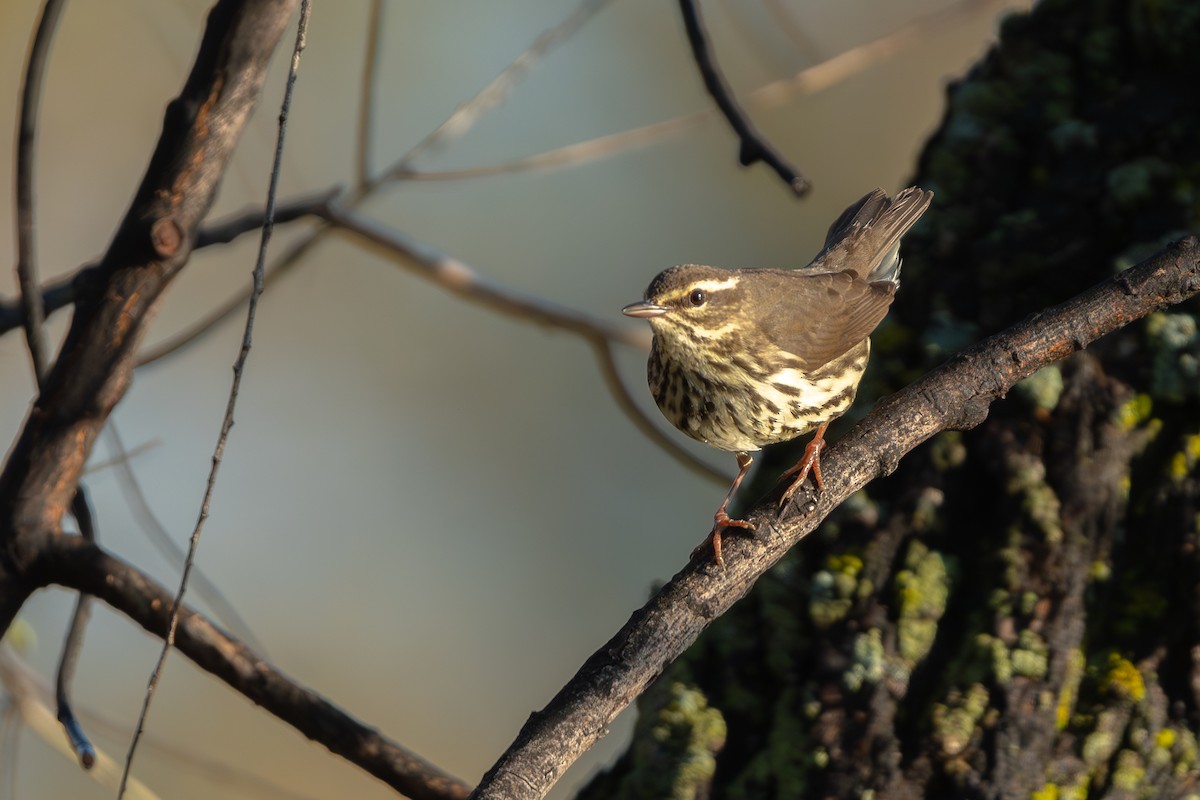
956	395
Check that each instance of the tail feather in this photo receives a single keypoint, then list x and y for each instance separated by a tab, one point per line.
866	237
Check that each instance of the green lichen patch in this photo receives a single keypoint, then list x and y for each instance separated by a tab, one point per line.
1039	503
1042	389
922	589
870	661
956	721
1030	658
675	755
1174	344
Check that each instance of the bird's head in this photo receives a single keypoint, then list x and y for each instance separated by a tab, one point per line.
691	302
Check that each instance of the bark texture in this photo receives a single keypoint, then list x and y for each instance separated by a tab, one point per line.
1015	613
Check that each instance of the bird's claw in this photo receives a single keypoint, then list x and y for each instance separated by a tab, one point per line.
721	521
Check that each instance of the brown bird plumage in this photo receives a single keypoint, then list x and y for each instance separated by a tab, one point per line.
745	358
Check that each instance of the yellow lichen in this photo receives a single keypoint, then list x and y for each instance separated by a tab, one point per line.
1134	412
1123	679
1048	792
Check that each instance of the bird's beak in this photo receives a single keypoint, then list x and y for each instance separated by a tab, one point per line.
643	310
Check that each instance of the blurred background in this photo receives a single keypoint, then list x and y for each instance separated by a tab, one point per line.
428	512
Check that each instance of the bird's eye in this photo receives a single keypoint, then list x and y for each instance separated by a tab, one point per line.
698	297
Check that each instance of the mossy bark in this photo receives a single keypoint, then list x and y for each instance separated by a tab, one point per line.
1016	612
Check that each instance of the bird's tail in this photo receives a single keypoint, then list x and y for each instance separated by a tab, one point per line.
866	237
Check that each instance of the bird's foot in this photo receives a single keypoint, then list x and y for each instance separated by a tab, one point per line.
810	462
721	521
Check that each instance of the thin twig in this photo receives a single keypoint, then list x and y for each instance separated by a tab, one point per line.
495	93
229	228
782	14
31	101
809	80
754	147
28	698
192	334
238	368
853	61
123	457
156	532
60	292
466	282
26	693
956	396
84	750
10	743
366	100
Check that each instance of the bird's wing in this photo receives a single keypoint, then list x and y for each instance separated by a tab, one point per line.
817	317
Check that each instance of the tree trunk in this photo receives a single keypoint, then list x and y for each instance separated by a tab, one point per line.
1015	613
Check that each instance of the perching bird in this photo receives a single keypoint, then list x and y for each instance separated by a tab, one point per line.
745	358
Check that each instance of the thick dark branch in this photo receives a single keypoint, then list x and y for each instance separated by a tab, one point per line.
114	301
77	564
955	395
754	146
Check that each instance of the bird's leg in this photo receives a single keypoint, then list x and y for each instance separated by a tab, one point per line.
722	519
811	460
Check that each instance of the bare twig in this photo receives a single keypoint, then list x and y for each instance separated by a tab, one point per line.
464	281
31	101
28	696
782	14
366	101
146	519
853	61
956	395
754	147
10	743
239	366
226	229
810	80
84	750
60	293
495	93
191	335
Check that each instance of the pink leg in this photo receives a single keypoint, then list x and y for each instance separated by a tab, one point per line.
811	460
722	519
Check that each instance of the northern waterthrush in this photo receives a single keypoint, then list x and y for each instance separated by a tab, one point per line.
745	358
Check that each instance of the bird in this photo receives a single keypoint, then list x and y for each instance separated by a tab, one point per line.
745	358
